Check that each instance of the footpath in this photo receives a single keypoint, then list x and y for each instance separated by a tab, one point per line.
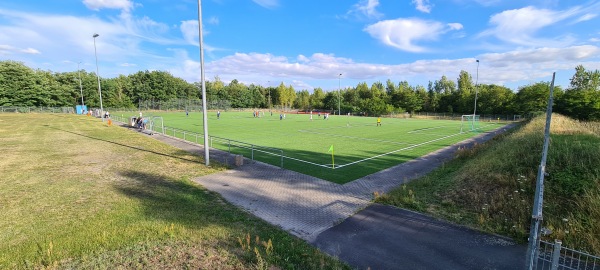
330	215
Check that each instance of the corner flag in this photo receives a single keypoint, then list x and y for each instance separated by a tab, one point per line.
332	159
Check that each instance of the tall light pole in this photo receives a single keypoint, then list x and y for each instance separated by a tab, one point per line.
339	95
98	76
80	86
476	88
204	113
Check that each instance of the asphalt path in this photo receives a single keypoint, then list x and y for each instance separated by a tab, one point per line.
386	237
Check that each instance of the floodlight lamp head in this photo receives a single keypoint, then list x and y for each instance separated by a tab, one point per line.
96	35
477	60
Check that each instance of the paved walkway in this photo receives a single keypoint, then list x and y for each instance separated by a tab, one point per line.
304	205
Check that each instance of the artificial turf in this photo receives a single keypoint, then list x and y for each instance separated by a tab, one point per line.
360	147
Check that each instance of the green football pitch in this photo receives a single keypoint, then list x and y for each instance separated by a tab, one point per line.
360	147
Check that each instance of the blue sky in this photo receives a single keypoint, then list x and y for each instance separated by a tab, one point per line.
308	43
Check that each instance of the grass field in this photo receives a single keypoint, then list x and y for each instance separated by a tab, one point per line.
76	193
360	146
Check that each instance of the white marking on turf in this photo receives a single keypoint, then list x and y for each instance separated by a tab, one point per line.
402	149
352	137
423	129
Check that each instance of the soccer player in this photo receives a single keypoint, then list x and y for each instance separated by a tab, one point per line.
379	121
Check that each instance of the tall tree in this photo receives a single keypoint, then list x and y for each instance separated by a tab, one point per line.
582	98
316	98
302	100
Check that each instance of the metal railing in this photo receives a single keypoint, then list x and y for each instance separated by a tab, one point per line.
554	256
193	137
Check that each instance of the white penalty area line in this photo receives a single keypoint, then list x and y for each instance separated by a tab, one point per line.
423	129
402	149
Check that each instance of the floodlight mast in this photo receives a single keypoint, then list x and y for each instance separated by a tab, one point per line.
339	95
476	88
98	76
204	113
80	86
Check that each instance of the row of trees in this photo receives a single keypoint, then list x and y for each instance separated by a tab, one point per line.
23	86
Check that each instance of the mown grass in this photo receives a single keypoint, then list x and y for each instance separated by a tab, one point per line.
76	193
491	186
357	140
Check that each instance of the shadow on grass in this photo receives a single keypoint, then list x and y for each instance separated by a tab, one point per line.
128	146
177	201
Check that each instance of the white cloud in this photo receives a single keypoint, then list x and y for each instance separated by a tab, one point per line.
423	5
586	17
302	58
189	30
455	26
267	3
404	33
7	49
496	68
213	20
125	5
365	9
127	65
519	26
542	55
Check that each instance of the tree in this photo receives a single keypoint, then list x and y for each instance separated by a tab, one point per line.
17	84
302	100
465	96
532	99
316	98
582	98
494	99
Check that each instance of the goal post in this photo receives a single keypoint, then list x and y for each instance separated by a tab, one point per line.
469	122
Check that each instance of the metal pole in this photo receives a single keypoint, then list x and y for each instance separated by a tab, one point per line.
476	88
80	86
536	215
98	76
204	113
339	99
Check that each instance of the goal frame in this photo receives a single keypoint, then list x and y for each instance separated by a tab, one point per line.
469	122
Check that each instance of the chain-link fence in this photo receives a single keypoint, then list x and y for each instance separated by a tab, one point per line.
457	116
15	109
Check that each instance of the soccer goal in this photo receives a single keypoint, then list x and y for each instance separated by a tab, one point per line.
469	122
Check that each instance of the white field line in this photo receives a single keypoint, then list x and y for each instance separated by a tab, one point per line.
402	149
432	134
352	137
312	163
284	156
423	129
337	127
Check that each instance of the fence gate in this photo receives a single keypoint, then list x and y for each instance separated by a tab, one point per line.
553	256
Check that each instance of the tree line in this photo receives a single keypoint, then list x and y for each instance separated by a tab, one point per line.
23	86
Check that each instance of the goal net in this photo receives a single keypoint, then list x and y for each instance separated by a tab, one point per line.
469	122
